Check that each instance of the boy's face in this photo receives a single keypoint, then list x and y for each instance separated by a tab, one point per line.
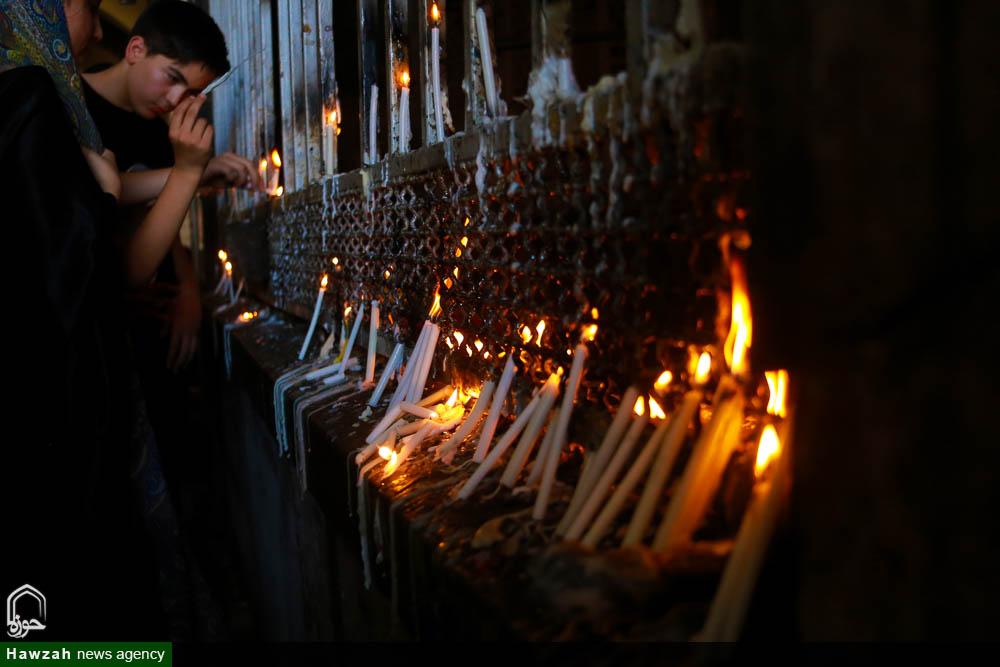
157	84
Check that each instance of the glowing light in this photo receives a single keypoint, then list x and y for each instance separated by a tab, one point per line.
387	274
280	191
526	334
455	272
451	346
666	377
388	455
655	411
335	261
777	381
275	158
458	252
640	406
540	329
323	283
479	345
704	370
595	313
333	117
347	311
448	283
740	336
465	241
767	450
451	399
459	337
467	221
263	163
223	256
405	78
589	333
248	315
229	267
436	306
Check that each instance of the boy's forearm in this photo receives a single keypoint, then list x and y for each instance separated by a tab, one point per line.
139	187
152	240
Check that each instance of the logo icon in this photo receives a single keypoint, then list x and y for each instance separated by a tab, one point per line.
18	627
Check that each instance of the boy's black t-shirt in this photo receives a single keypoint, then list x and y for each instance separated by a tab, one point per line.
137	142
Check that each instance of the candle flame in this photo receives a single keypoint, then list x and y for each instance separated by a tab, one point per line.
767	450
436	306
459	337
655	411
540	329
666	377
455	272
526	334
248	315
223	256
777	381
279	191
275	158
405	78
589	333
229	267
323	282
479	345
640	406
335	261
263	163
448	283
465	241
458	251
435	14
451	399
387	274
388	455
595	313
333	117
704	369
347	311
740	335
467	221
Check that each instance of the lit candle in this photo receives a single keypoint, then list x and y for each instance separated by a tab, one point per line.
272	185
608	476
346	356
608	445
549	393
329	140
486	60
229	279
729	608
477	411
390	367
668	450
436	71
491	419
315	317
402	388
562	426
221	286
372	340
404	113
372	126
262	171
420	379
430	428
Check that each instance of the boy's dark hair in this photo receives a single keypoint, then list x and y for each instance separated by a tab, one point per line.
183	32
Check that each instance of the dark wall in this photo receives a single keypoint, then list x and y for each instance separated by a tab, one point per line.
874	138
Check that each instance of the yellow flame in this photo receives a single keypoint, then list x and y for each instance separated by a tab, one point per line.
229	267
263	163
448	283
333	117
335	261
405	78
540	329
740	336
465	241
451	399
435	14
223	256
704	369
589	333
467	221
388	455
655	411
640	406
777	381
459	337
767	450
451	346
479	345
347	311
455	272
275	158
436	306
280	191
247	316
387	274
486	355
595	313
666	377
526	334
458	251
323	283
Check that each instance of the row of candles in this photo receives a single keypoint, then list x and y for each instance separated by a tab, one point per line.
413	420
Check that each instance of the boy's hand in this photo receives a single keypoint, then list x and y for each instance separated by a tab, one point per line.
231	170
105	170
183	323
191	136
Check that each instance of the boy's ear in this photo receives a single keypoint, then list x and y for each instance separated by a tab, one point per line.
135	50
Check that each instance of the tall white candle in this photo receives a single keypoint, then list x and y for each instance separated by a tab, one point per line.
390	367
372	126
402	388
477	410
404	114
372	341
501	446
549	473
350	341
420	380
491	419
272	186
436	79
486	60
315	317
329	139
549	393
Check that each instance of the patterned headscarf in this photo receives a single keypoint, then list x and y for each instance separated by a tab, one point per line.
34	32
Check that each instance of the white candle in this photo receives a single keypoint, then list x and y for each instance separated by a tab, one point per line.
668	451
608	445
549	393
419	381
272	186
477	410
608	476
390	367
229	279
404	114
238	292
372	126
350	341
436	397
436	77
262	172
315	317
329	139
412	367
417	410
501	446
491	419
391	415
562	426
550	432
486	60
372	340
430	428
